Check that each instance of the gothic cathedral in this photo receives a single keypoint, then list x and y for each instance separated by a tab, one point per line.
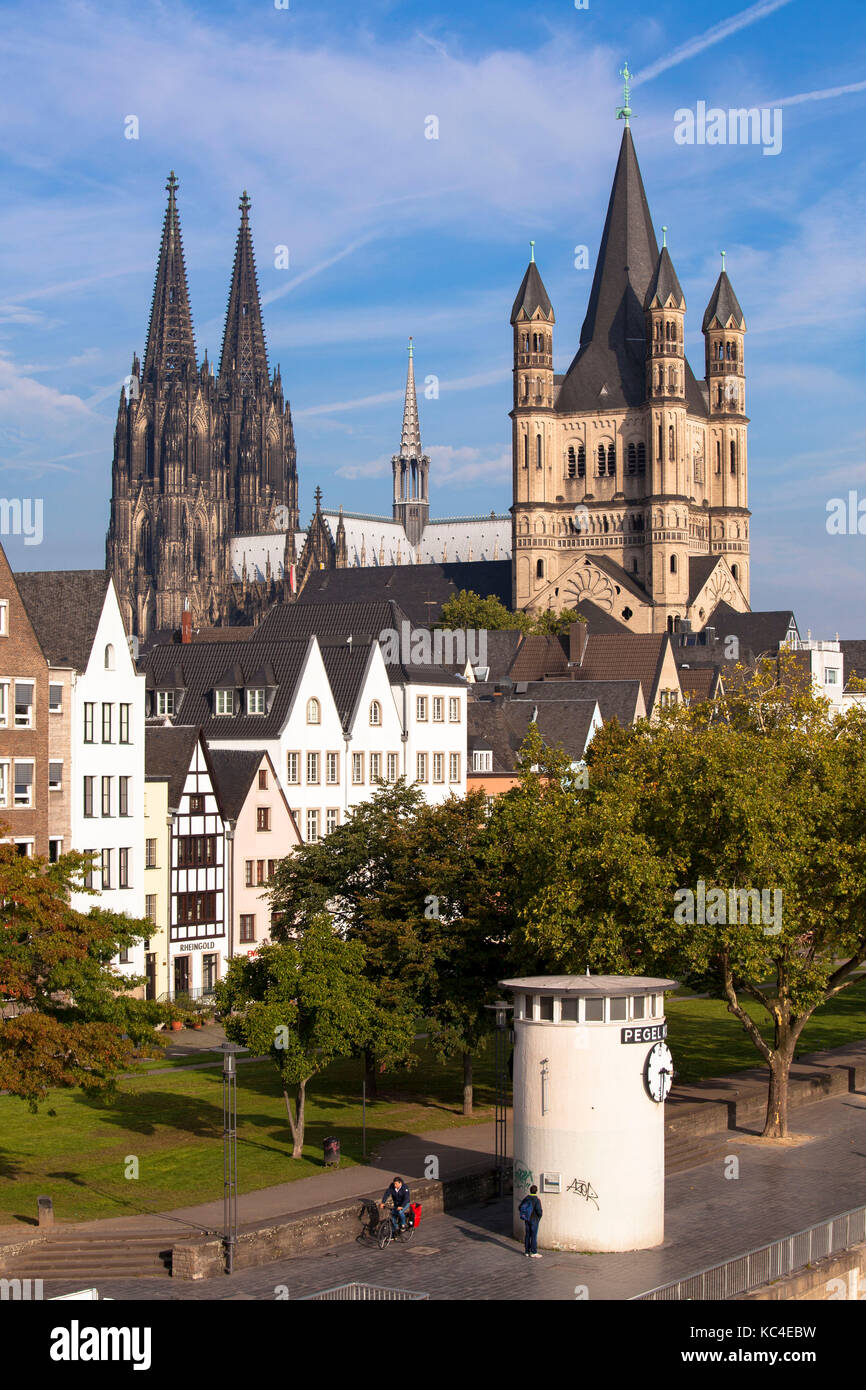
629	475
199	458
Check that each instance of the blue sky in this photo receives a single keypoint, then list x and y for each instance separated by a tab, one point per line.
319	111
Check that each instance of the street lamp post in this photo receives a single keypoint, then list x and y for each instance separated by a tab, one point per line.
230	1150
502	1037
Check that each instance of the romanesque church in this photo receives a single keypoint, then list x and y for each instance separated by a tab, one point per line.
630	478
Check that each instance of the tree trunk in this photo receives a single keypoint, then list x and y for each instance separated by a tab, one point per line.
296	1121
776	1123
370	1074
467	1083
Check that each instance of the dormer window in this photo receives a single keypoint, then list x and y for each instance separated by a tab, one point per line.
224	702
482	760
314	714
256	701
165	702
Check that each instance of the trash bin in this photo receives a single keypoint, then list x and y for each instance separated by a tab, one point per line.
332	1152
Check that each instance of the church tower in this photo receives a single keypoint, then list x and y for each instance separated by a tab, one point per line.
629	474
411	467
198	459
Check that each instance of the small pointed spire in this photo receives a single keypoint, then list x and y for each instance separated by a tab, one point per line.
170	341
624	111
410	436
318	498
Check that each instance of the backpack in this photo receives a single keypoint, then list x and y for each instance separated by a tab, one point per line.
526	1210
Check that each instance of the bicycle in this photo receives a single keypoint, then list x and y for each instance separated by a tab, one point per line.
389	1228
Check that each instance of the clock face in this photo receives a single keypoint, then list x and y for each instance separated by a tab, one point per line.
658	1071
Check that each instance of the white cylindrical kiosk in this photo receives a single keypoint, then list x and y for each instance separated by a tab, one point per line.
591	1073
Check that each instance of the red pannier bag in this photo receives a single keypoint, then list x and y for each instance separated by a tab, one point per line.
416	1213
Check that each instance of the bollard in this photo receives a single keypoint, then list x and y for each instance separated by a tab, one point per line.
45	1209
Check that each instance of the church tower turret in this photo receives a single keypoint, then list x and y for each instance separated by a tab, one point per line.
411	466
532	321
724	329
667	557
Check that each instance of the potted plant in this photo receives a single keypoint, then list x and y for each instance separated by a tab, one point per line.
173	1018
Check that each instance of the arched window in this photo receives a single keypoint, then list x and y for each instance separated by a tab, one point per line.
375	712
671	447
735	571
526	388
733	456
538	454
109	657
611	460
581	461
526	342
539	569
571	466
313	712
718	456
672	378
604	524
641	458
673	564
733	352
728	351
720	353
632	458
661	450
526	451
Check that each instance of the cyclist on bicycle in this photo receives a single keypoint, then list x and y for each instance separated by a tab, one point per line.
399	1195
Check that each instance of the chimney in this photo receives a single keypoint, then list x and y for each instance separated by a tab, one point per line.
186	623
577	639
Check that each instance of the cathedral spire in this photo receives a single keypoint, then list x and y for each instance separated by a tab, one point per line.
170	342
410	437
244	355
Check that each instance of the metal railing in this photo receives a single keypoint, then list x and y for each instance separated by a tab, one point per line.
767	1263
362	1292
186	996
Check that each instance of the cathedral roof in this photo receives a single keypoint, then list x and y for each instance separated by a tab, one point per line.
608	370
244	354
170	341
532	296
723	305
664	284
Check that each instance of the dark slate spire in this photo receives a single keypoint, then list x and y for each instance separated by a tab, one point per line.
724	305
532	295
609	367
244	355
664	284
170	341
410	435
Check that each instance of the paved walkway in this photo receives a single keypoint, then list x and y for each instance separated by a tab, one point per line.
470	1255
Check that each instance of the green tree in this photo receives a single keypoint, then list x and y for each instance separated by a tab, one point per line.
760	793
304	1002
67	1016
469	610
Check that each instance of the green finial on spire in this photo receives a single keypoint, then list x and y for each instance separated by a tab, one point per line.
664	236
624	112
724	253
532	253
411	349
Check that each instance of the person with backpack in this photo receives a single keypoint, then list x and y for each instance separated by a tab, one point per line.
530	1213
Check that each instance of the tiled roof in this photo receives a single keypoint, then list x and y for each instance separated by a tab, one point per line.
531	296
633	656
723	305
168	754
756	632
64	607
198	668
700	569
616	699
699	683
502	725
233	771
420	590
538	656
329	619
853	658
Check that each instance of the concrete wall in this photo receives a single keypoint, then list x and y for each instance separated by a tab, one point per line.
836	1278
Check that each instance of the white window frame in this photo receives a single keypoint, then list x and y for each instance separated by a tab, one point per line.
312	819
375	768
164	703
55	709
55	786
454	709
357	769
420	767
438	709
453	767
312	769
438	767
5	765
332	819
256	700
24	722
314	711
293	765
392	762
4	702
421	708
4	617
375	714
224	702
332	765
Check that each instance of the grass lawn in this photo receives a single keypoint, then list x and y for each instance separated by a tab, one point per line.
708	1041
76	1148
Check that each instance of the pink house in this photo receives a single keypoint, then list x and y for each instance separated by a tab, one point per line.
260	830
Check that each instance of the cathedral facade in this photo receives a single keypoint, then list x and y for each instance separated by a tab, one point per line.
199	457
630	477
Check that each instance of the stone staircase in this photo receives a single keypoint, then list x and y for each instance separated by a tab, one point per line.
684	1151
85	1256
